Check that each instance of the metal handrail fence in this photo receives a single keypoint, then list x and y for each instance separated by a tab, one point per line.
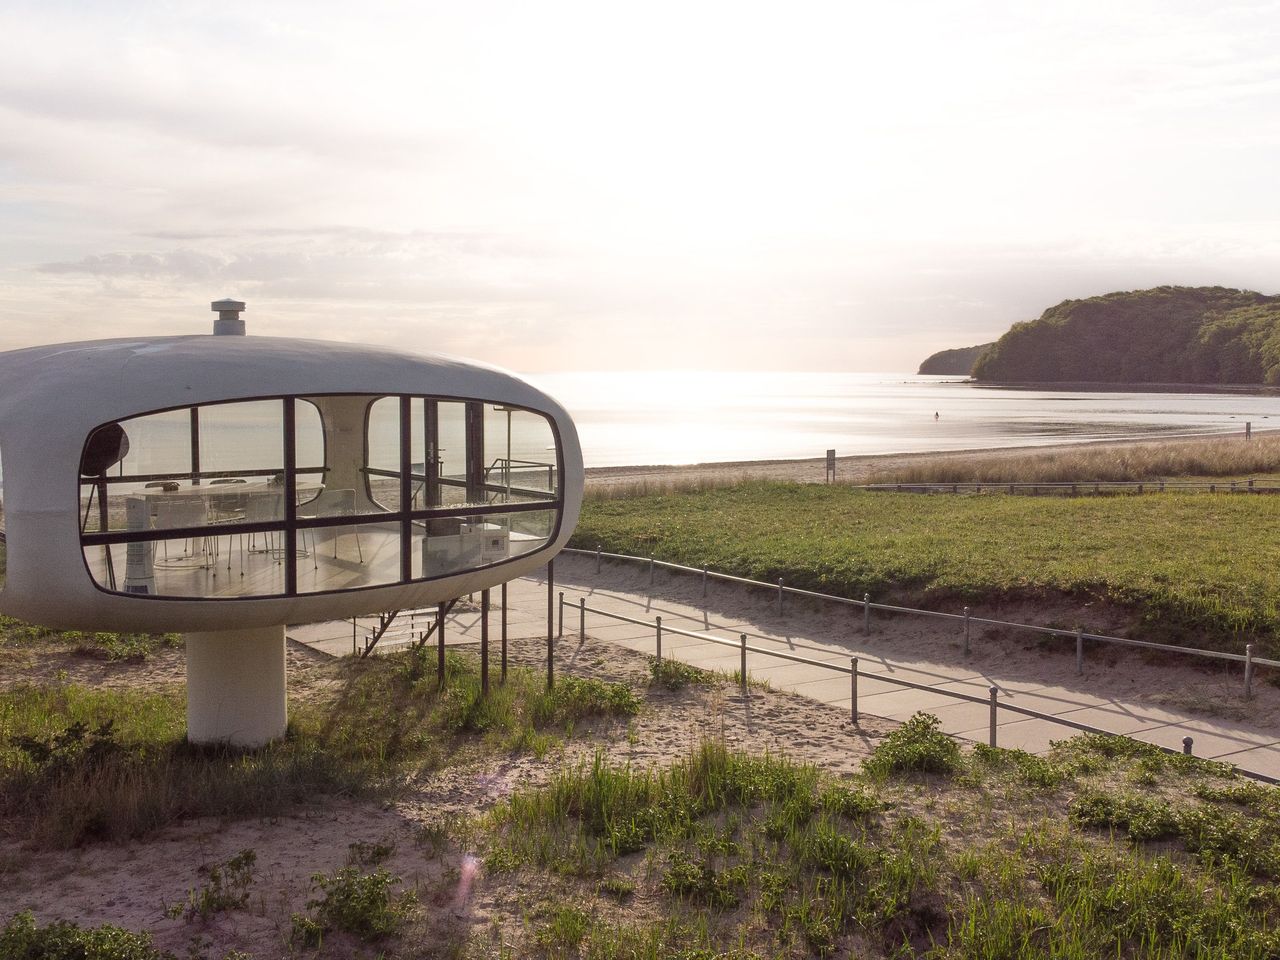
1248	658
854	672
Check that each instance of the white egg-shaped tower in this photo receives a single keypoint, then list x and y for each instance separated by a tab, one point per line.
224	486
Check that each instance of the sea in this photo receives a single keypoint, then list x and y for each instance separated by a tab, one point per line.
633	418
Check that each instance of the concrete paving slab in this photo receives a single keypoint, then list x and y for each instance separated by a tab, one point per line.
1112	717
1264	760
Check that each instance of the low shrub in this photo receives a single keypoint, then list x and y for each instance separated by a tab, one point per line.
23	939
362	905
918	746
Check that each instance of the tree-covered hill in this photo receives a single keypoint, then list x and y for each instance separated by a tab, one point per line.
1165	335
953	362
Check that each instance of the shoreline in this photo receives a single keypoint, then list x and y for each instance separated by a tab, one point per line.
857	467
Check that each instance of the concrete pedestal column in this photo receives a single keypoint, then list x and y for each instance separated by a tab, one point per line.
236	686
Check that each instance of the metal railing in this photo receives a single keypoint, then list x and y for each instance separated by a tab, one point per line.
966	619
854	672
1079	488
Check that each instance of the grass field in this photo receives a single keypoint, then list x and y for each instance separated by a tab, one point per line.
1195	569
1229	457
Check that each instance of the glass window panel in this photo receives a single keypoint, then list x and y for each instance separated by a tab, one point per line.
452	452
308	452
213	566
382	444
451	545
246	436
520	455
348	557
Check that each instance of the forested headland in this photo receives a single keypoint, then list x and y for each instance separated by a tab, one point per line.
959	361
1210	335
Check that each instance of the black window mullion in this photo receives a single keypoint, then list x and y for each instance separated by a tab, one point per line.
406	489
290	501
475	451
431	469
195	446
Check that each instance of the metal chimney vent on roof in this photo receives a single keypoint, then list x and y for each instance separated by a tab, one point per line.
229	322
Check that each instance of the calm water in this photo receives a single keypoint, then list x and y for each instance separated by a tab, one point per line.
688	417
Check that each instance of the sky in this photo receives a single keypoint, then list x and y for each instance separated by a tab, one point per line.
594	186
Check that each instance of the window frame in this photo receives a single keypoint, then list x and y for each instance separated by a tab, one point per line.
292	523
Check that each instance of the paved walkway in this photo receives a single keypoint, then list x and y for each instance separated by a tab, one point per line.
737	611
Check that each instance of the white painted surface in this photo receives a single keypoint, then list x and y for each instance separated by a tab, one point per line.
236	687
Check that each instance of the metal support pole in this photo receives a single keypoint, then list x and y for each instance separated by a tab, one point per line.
353	636
993	693
1079	652
551	636
853	690
779	596
504	633
582	618
866	613
440	643
1187	744
743	638
484	643
1248	670
560	631
597	558
704	581
966	631
657	624
651	571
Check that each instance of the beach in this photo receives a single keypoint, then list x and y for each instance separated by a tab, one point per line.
859	469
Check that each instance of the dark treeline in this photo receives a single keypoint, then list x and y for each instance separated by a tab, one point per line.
951	362
1164	335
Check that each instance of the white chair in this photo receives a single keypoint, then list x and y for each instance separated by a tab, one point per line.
183	512
333	503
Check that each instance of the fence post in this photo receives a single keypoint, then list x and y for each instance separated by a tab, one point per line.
504	633
440	644
1079	652
1248	671
779	596
1251	486
993	693
657	623
966	631
484	643
743	638
560	630
1186	745
651	571
704	581
853	690
582	618
866	613
597	558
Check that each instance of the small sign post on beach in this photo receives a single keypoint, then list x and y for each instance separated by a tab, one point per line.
831	466
1248	429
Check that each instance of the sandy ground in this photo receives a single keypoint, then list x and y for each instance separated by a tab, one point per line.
852	469
132	884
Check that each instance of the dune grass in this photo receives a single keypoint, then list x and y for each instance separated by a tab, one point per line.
80	763
1194	569
760	856
1229	457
